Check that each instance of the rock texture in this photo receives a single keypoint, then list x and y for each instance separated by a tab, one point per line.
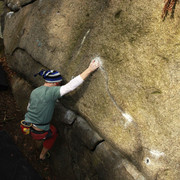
132	102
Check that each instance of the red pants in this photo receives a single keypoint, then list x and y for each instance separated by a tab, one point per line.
48	136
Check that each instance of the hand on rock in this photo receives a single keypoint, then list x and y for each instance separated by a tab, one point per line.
93	65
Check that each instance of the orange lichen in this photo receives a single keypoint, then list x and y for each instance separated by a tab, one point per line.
169	7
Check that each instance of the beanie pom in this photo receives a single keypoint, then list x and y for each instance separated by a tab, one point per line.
41	73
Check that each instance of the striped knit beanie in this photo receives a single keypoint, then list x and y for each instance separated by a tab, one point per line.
50	76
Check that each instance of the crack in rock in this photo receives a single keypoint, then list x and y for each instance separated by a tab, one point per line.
97	144
128	118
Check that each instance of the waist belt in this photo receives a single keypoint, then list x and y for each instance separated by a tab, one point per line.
41	124
37	132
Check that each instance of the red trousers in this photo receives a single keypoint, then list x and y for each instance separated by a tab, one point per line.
48	136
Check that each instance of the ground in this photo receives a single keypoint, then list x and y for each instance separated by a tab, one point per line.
10	117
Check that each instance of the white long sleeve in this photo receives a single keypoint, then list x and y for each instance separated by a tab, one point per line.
71	85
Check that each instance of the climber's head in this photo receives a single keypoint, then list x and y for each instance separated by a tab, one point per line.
50	76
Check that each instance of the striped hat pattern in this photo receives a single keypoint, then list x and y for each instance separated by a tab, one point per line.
50	76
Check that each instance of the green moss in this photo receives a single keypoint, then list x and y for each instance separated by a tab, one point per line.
157	92
164	58
117	15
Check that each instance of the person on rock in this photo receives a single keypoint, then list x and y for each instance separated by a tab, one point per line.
42	102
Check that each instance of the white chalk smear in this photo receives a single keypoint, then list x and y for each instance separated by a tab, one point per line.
9	14
156	153
98	61
82	42
127	117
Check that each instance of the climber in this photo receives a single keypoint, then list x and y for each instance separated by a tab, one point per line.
42	102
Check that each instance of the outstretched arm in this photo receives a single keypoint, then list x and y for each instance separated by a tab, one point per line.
78	80
92	67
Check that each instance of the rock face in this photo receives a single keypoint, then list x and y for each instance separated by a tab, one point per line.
131	105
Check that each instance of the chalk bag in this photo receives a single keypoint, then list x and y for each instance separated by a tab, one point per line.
25	127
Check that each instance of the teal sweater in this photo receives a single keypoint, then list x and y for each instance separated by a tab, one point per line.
41	105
